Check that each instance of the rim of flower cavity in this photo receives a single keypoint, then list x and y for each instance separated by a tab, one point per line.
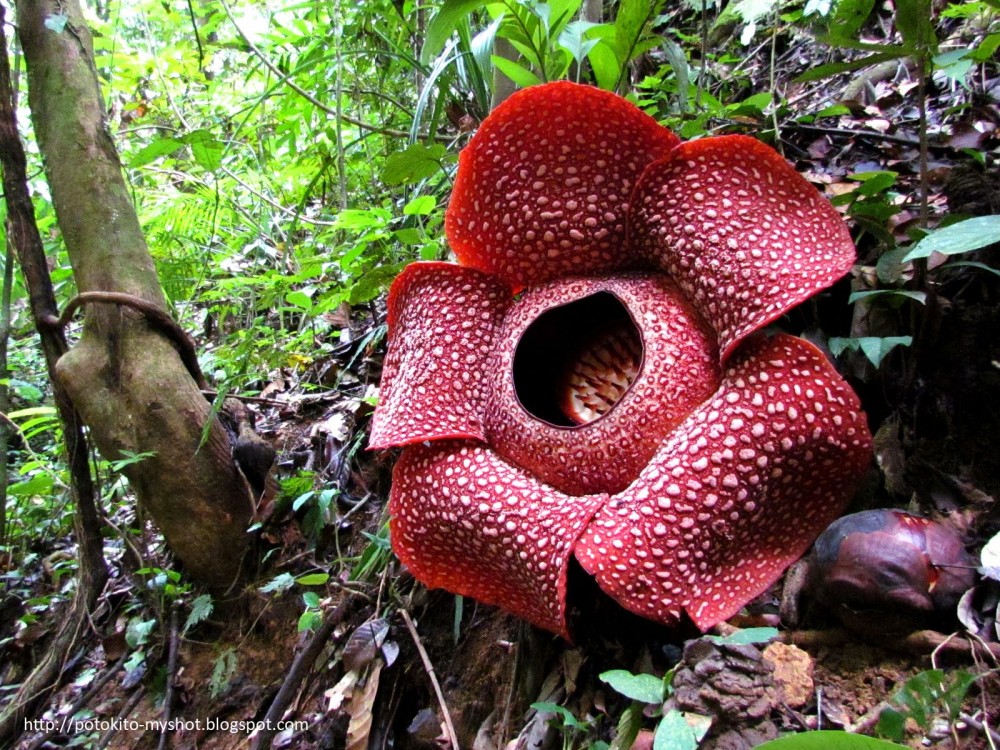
575	362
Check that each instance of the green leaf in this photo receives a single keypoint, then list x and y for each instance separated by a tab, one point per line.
920	297
915	24
562	712
137	632
834	110
311	599
604	63
873	347
299	299
891	724
415	163
746	636
576	40
310	620
206	149
628	727
827	739
825	71
987	48
680	731
445	21
849	17
420	206
153	151
873	183
313	579
639	687
201	608
971	264
630	26
961	237
279	584
518	74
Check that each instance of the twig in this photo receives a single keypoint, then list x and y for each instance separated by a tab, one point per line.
126	710
919	642
248	399
168	696
992	736
300	668
82	701
873	134
429	668
866	723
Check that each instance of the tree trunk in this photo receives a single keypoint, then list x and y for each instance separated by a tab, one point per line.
125	379
502	85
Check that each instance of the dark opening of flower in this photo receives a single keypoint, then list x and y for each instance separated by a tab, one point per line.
575	362
587	381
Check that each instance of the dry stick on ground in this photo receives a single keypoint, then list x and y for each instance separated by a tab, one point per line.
919	642
82	701
429	668
168	697
301	665
23	234
125	711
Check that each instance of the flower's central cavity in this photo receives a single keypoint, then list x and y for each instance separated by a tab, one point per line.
575	362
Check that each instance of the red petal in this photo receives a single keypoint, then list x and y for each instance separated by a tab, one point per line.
465	521
679	371
743	234
737	493
443	320
542	188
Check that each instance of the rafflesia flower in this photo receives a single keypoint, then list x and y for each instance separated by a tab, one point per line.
587	380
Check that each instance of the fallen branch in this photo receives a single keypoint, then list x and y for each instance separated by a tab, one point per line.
126	710
82	701
168	697
301	665
429	668
919	642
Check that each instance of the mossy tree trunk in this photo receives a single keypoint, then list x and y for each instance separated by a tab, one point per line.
125	379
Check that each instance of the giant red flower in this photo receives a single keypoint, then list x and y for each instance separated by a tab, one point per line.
587	381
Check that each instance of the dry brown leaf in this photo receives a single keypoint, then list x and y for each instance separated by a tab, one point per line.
360	711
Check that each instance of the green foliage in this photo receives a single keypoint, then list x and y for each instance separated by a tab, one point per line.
201	610
827	740
551	41
955	239
873	347
923	698
644	688
224	672
375	556
676	730
745	637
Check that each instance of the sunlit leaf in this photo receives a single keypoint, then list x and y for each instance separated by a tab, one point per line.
827	739
961	237
154	150
443	24
639	687
745	636
517	73
414	163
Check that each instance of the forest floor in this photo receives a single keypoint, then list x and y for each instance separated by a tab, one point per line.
934	409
